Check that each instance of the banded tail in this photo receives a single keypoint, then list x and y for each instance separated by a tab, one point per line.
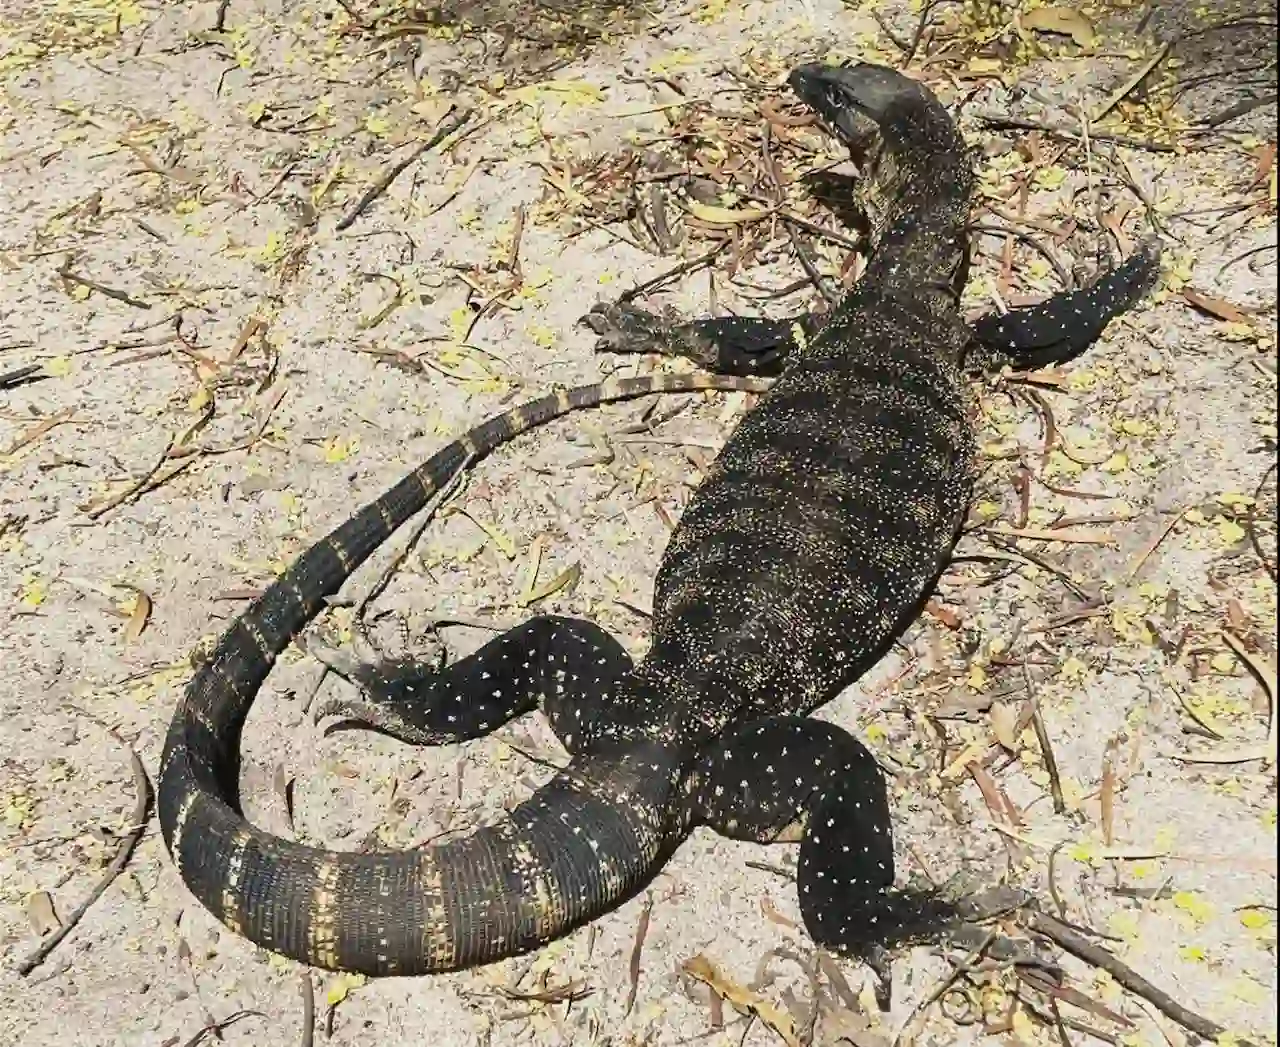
507	888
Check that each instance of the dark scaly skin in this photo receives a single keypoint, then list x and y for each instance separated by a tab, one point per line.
819	530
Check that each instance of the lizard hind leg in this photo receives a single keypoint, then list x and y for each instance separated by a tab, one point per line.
785	778
562	662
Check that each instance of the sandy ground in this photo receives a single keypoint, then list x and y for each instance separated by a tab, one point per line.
169	259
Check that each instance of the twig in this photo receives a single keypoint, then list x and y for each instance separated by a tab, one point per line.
443	130
133	490
1046	750
110	292
1126	88
1061	271
926	12
517	234
1073	134
1103	959
214	1028
1234	112
1251	521
642	929
1145	555
1242	256
945	983
797	244
308	1010
683	268
21	375
137	826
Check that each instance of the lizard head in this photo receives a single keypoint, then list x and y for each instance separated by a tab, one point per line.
862	101
895	128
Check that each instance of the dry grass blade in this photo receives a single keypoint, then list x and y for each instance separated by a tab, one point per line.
38	430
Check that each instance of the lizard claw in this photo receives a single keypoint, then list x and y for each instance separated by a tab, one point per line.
624	328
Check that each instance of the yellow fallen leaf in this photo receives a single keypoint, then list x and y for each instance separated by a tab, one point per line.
139	612
339	449
1222	663
341	986
34	593
977	678
1193	905
1064	21
1255	920
714	215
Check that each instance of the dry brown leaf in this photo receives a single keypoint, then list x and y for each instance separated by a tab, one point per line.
1004	724
743	999
1107	794
769	911
1265	156
1064	21
945	615
1219	308
40	913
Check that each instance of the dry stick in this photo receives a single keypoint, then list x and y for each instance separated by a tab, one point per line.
642	929
926	13
680	270
944	986
308	1010
445	493
1250	524
1073	134
134	489
802	253
1103	959
1046	750
1060	270
124	849
443	130
120	296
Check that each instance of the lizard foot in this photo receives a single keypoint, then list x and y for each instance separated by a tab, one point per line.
623	328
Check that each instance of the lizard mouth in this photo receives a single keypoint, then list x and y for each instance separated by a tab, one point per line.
854	101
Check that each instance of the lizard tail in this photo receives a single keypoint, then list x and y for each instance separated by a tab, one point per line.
574	849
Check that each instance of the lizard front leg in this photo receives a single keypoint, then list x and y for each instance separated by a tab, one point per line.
732	345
